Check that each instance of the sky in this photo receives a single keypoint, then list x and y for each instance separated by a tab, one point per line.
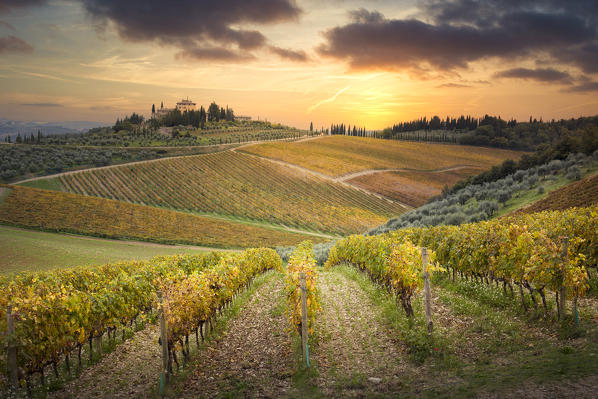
370	63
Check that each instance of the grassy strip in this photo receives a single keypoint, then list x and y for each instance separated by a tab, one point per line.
524	198
513	347
36	251
508	353
412	332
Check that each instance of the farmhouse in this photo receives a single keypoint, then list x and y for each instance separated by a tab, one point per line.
183	105
186	105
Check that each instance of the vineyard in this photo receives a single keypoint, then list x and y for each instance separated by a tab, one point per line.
578	194
341	155
241	186
51	316
65	212
542	252
503	299
412	188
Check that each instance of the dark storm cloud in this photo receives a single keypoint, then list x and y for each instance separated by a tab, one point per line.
291	55
12	44
451	35
539	75
203	29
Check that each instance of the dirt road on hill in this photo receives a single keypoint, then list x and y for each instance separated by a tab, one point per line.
234	145
354	175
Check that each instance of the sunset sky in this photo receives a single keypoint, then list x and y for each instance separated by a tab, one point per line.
370	63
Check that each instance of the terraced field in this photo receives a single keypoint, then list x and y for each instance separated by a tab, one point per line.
241	186
65	212
341	155
579	194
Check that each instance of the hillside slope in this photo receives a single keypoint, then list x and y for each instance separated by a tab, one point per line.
65	212
408	172
242	186
37	250
341	155
582	193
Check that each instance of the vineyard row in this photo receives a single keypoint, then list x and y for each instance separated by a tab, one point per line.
56	313
547	251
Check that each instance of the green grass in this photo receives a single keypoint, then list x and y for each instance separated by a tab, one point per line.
509	352
46	184
530	196
34	250
412	332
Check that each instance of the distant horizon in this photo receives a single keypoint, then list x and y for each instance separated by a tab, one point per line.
300	61
442	117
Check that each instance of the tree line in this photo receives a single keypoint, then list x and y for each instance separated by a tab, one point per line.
461	123
26	139
566	137
488	131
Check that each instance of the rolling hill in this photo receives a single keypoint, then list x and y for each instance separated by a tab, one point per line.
404	171
239	186
582	193
72	213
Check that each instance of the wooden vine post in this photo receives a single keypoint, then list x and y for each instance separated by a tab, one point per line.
164	376
304	344
427	293
11	351
563	291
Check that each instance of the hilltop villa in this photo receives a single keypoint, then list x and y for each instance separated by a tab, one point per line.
183	105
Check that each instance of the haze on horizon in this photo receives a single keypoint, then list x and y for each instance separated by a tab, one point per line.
370	63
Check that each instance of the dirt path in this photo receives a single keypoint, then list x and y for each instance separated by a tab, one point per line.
128	372
147	160
350	176
357	355
253	358
324	176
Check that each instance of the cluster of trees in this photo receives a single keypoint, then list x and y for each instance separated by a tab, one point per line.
148	136
488	131
346	130
568	137
128	122
20	161
195	118
26	139
478	202
435	123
